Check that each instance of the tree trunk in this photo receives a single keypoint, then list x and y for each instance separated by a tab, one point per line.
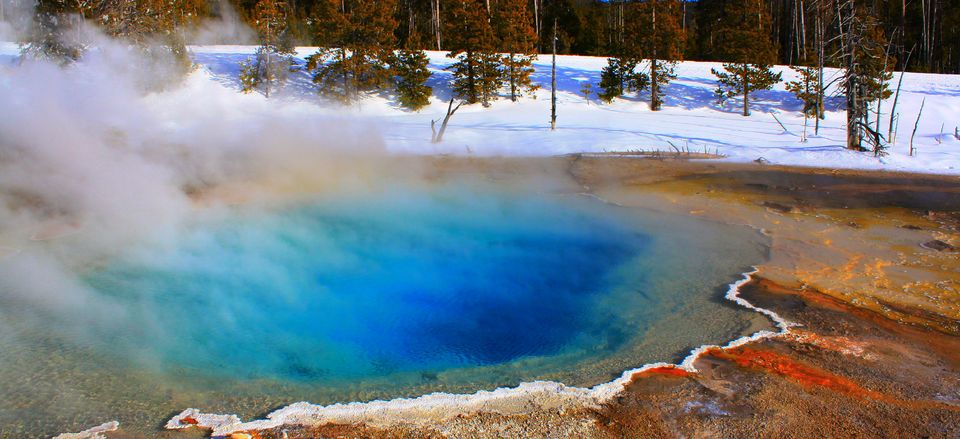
471	78
536	21
746	91
343	69
438	137
436	21
654	87
267	49
553	81
513	79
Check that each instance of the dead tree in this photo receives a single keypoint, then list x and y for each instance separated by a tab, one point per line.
553	81
916	124
437	137
896	96
864	78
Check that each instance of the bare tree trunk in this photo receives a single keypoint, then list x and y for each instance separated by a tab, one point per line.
345	73
820	60
411	23
513	78
896	96
438	137
848	43
553	81
654	87
903	34
916	124
746	92
536	20
436	21
266	48
883	80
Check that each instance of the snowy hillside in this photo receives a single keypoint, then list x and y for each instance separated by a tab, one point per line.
690	118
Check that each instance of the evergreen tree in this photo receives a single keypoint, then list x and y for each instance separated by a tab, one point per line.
274	57
807	89
655	27
619	77
53	35
517	38
359	40
154	26
743	39
471	41
411	72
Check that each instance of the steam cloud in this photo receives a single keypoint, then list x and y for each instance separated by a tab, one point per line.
109	152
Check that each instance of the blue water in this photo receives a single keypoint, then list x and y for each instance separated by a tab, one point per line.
332	290
377	294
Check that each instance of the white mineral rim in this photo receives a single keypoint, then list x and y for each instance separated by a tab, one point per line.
91	433
437	406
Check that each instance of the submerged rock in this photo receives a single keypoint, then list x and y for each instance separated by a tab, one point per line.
939	246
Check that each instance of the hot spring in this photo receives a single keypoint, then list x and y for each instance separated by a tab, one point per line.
396	291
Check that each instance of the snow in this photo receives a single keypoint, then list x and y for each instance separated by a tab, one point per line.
690	118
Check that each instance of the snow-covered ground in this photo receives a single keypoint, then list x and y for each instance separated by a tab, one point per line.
690	119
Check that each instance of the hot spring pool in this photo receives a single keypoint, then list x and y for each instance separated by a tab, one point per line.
390	293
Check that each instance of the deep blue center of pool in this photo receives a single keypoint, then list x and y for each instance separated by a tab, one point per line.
398	281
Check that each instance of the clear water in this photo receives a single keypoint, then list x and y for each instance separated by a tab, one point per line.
377	295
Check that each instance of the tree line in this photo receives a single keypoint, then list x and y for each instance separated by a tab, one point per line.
928	29
371	45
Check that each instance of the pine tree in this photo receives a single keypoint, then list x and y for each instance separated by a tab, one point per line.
52	35
410	68
806	89
146	23
517	38
743	39
359	38
274	57
655	25
471	41
619	77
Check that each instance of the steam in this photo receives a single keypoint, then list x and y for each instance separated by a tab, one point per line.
226	28
116	150
15	18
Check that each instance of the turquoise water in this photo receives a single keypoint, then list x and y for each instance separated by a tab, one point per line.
379	294
343	290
